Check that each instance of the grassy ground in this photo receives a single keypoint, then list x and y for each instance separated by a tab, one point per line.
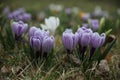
19	67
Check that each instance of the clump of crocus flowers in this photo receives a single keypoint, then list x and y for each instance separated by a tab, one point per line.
41	41
19	14
84	37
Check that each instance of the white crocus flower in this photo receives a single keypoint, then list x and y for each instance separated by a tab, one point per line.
51	24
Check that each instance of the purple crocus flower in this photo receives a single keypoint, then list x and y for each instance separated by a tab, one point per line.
17	15
19	11
69	40
26	17
94	24
80	32
37	35
47	45
19	28
85	37
97	40
36	43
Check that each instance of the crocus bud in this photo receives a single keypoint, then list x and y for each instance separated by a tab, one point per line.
47	45
69	40
35	43
85	38
94	24
19	28
80	32
97	40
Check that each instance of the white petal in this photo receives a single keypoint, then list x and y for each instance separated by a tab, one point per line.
48	23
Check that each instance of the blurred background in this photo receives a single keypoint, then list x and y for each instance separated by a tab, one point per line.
86	5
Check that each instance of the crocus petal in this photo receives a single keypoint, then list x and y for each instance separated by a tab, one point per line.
14	27
47	44
32	30
25	28
35	43
85	39
67	41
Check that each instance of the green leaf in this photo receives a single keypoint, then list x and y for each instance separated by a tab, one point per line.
102	24
96	54
110	45
108	32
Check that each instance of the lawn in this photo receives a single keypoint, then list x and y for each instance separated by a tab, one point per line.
65	48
